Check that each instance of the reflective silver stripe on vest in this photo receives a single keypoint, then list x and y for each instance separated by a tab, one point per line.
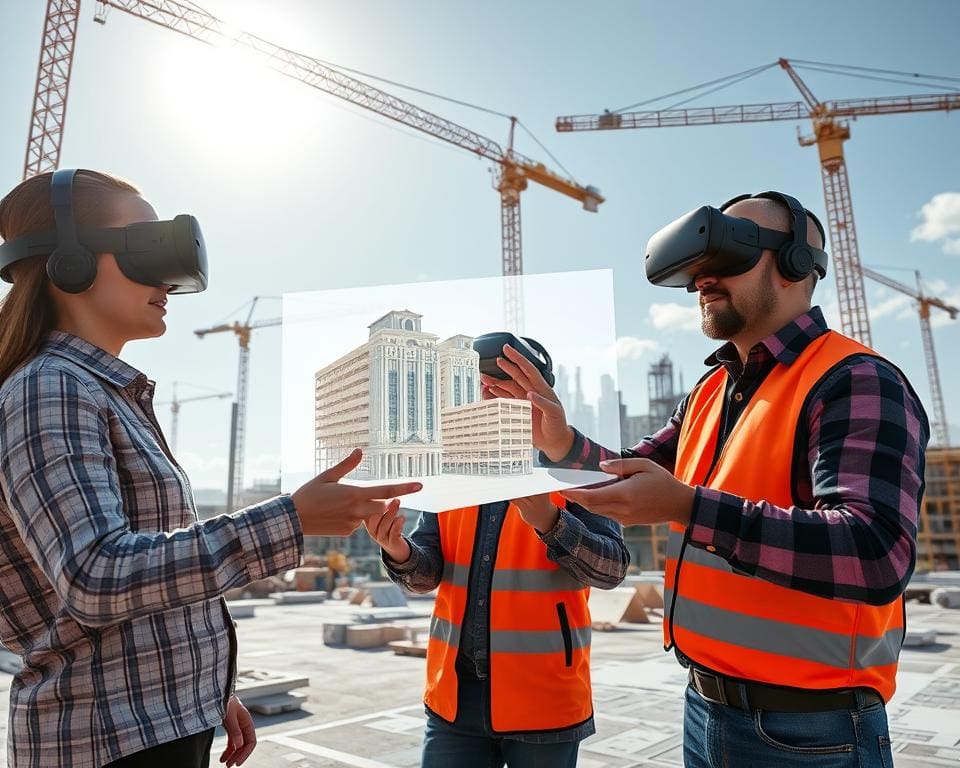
534	581
455	574
509	580
674	543
792	640
696	555
878	651
445	631
532	641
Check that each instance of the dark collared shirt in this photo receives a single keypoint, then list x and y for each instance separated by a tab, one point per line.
109	586
858	470
587	546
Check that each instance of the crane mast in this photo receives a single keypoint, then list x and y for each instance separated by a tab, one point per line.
940	427
52	88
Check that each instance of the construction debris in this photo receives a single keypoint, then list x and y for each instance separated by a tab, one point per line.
609	607
946	597
298	598
919	637
269	693
379	594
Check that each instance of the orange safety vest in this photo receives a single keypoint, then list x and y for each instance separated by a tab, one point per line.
539	629
744	627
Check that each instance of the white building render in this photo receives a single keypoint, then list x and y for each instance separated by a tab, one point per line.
459	372
488	437
400	381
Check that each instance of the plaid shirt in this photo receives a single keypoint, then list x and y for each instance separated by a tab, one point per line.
858	469
109	586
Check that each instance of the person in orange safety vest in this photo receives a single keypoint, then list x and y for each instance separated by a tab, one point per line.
508	660
790	478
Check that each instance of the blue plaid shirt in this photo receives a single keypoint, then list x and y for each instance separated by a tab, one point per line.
109	586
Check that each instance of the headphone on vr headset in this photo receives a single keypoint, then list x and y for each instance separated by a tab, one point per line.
796	259
71	267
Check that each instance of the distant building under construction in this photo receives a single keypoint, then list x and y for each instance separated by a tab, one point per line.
648	544
938	535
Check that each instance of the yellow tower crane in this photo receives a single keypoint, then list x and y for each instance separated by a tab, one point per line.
940	428
238	415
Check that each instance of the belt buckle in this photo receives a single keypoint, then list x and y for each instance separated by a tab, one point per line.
707	683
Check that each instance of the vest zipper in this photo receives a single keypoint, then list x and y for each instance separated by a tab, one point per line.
486	682
565	631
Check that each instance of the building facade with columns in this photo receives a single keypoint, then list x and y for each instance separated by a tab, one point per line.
402	396
382	397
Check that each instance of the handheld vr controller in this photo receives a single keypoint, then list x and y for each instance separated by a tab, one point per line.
490	346
707	241
148	252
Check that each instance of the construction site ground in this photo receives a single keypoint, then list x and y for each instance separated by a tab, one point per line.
363	707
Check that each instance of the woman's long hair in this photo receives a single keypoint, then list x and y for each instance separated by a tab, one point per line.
27	312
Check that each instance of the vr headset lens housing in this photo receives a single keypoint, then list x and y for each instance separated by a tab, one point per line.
707	241
704	241
165	253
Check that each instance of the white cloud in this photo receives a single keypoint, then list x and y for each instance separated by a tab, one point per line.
632	348
941	221
893	305
675	317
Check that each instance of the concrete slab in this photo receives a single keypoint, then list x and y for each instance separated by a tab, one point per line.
299	598
364	708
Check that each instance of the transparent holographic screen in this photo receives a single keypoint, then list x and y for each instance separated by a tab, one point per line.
570	313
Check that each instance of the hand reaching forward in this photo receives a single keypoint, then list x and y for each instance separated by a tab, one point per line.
538	512
648	494
386	528
328	507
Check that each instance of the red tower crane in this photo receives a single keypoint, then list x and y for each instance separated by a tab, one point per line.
830	129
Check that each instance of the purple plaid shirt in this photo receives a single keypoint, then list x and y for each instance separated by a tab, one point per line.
858	470
109	586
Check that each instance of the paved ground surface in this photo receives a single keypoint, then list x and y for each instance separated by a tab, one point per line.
363	707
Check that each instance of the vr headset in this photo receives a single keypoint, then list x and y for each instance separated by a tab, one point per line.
706	241
148	252
490	346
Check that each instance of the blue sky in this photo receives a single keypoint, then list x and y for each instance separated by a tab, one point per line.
299	191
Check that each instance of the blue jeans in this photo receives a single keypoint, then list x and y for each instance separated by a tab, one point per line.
717	736
468	742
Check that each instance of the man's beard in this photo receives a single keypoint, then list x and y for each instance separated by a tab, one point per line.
728	322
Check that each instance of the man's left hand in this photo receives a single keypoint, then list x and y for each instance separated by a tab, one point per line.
241	734
648	494
538	511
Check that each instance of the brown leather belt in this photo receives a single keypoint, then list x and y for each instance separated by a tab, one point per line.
722	690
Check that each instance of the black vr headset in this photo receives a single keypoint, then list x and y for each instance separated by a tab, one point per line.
706	241
148	252
490	346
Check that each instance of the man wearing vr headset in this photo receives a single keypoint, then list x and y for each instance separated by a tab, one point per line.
790	477
111	586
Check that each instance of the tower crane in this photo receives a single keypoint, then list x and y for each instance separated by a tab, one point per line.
175	403
941	430
830	129
513	171
238	415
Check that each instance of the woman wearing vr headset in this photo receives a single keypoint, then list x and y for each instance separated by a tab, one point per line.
111	586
